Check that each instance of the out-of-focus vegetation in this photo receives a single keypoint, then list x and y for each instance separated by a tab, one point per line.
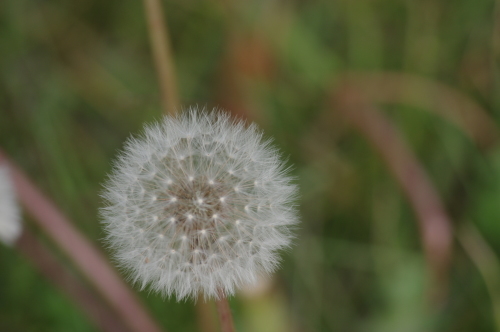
77	77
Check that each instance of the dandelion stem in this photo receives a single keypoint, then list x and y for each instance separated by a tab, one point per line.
205	312
160	45
225	315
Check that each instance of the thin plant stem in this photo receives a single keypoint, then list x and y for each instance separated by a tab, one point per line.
50	267
205	313
165	68
225	315
83	254
162	55
433	221
486	261
495	35
427	94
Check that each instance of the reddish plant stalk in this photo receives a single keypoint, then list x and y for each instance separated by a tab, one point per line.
49	266
433	221
225	315
84	255
428	94
206	318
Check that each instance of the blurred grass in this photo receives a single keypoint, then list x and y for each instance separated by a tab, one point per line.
77	78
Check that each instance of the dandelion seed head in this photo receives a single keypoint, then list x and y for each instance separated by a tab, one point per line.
10	221
201	169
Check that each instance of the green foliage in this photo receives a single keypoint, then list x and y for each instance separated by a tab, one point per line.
77	78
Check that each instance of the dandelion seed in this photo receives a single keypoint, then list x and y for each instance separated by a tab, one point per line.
10	222
198	216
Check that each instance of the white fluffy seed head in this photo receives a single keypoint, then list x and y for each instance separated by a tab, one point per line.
10	221
214	238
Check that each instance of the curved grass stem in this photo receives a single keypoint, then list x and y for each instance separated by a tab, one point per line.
83	254
440	99
486	261
433	221
49	266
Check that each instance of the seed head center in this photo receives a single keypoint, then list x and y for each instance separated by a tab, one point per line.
197	202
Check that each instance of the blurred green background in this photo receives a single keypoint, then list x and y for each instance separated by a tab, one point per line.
77	77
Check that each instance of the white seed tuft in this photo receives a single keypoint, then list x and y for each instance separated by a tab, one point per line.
199	172
10	221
